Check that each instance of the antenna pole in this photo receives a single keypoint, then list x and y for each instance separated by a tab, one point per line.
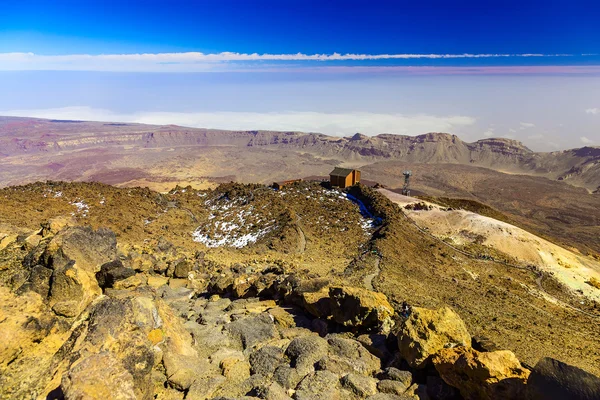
406	187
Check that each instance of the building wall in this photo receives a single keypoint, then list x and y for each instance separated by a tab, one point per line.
348	180
344	182
334	180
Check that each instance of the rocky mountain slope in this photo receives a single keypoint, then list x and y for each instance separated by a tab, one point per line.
246	291
558	212
471	230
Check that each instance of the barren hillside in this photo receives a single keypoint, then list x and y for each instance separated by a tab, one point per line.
110	145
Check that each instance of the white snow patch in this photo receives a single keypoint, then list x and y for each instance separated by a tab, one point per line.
229	239
82	207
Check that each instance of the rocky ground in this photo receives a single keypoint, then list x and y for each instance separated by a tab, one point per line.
82	324
127	293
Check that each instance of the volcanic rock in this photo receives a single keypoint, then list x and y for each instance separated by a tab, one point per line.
305	351
391	373
360	358
111	272
553	380
319	385
426	331
253	330
99	376
265	360
391	387
360	385
482	375
360	308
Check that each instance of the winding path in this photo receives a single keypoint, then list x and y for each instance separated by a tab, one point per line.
302	241
368	279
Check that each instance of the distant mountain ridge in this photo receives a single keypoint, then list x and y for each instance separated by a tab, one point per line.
579	167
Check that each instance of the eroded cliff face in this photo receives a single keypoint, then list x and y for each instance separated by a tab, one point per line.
22	136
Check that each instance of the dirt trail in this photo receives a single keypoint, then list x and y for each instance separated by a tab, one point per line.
302	241
368	280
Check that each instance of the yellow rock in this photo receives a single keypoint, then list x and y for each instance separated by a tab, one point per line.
157	281
7	239
426	332
99	376
482	375
234	369
130	283
156	336
282	318
34	239
317	303
358	307
53	225
260	306
175	283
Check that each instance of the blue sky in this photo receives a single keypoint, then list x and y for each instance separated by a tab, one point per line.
306	26
528	70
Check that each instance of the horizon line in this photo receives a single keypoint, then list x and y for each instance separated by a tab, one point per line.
255	62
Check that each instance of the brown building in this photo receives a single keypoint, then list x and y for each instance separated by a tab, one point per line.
344	177
279	185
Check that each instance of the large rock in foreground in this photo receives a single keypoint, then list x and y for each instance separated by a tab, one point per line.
360	308
99	376
478	375
64	268
426	331
554	380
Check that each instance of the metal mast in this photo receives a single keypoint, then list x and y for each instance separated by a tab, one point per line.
406	187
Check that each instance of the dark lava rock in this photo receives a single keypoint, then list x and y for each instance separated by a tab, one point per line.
397	375
265	360
555	380
437	389
112	272
183	268
306	351
253	330
320	385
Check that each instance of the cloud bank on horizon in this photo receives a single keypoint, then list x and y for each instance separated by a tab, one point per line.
233	61
537	110
334	124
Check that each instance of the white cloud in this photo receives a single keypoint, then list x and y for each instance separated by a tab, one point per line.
526	125
196	61
536	136
511	130
585	140
553	145
337	124
489	133
592	111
